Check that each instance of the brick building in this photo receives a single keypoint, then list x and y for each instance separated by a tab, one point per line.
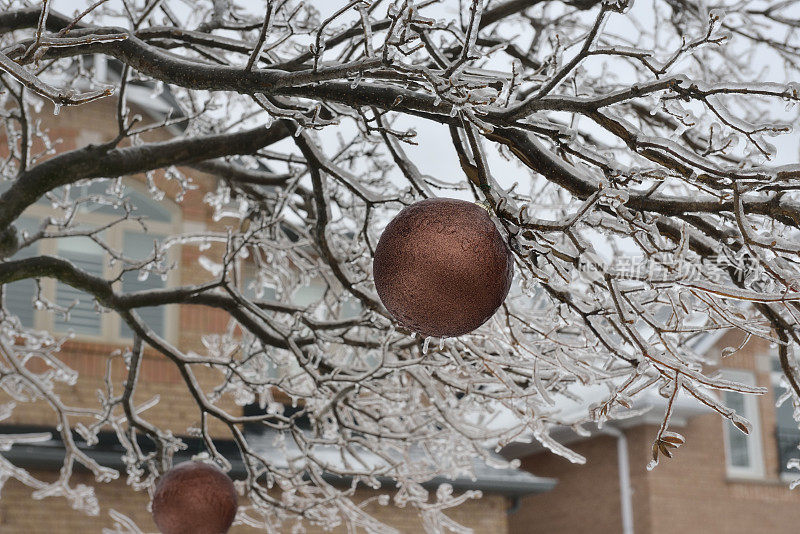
719	481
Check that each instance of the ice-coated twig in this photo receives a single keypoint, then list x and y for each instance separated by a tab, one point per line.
60	97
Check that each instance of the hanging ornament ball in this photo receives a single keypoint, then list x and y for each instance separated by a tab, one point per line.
194	498
441	267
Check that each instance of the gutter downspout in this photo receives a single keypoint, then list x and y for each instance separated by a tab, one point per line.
625	491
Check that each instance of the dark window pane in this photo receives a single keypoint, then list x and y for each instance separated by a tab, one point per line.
738	443
140	246
787	432
83	316
19	295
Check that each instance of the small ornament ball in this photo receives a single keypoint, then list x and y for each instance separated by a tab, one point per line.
194	498
441	267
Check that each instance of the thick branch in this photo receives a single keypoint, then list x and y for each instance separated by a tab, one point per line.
94	161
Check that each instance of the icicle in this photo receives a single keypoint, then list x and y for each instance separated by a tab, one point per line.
426	344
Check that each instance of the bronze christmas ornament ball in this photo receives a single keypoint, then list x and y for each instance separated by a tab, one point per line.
441	267
194	498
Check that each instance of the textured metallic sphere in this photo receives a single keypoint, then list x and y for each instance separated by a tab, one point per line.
441	267
194	498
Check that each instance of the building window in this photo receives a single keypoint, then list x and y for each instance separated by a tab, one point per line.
139	246
260	288
83	316
743	455
19	296
787	433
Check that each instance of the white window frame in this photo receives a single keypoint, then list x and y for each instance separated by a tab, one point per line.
775	379
110	331
755	439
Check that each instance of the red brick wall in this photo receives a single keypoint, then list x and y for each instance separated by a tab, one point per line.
571	505
690	493
19	514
